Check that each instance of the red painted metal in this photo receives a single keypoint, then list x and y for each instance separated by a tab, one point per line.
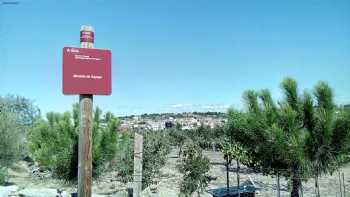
87	36
86	71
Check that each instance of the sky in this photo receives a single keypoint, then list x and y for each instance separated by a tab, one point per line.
177	55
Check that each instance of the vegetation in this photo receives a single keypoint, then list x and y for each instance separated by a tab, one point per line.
16	117
155	150
328	132
54	142
237	152
10	139
3	175
125	157
294	138
178	138
194	167
300	137
156	146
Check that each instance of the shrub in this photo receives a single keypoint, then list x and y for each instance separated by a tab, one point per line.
125	157
54	142
194	167
3	176
10	139
155	149
16	116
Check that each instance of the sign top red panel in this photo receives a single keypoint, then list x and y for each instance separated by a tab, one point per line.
86	71
87	36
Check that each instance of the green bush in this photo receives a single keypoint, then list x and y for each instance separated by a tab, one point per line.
16	117
3	176
54	142
125	157
10	139
155	150
194	167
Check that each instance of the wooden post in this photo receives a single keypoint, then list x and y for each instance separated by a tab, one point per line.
340	186
138	148
278	185
344	185
85	135
227	175
238	185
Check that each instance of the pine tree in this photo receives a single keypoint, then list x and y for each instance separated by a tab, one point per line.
328	132
294	137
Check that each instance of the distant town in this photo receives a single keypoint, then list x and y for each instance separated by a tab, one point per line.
185	121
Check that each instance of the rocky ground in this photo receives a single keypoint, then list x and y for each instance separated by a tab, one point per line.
27	181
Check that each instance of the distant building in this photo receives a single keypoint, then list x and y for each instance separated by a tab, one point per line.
168	124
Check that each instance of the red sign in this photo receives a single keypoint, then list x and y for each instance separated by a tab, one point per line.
86	71
87	36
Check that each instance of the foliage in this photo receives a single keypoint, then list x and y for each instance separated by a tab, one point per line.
205	136
11	140
194	167
24	109
155	151
328	132
125	157
177	137
295	137
156	146
3	175
16	116
237	152
54	142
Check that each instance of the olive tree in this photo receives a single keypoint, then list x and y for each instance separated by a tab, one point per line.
194	167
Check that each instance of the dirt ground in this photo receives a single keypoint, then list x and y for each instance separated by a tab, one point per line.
168	181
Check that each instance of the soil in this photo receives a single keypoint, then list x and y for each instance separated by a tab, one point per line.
169	179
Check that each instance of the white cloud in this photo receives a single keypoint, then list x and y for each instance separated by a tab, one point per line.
186	107
180	105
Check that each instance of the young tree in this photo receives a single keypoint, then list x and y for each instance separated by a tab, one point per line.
54	142
178	137
237	152
155	151
25	111
194	167
328	132
282	138
10	142
17	115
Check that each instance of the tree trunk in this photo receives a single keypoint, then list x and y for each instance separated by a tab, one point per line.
227	175
295	187
278	185
317	186
340	187
180	147
344	185
238	178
